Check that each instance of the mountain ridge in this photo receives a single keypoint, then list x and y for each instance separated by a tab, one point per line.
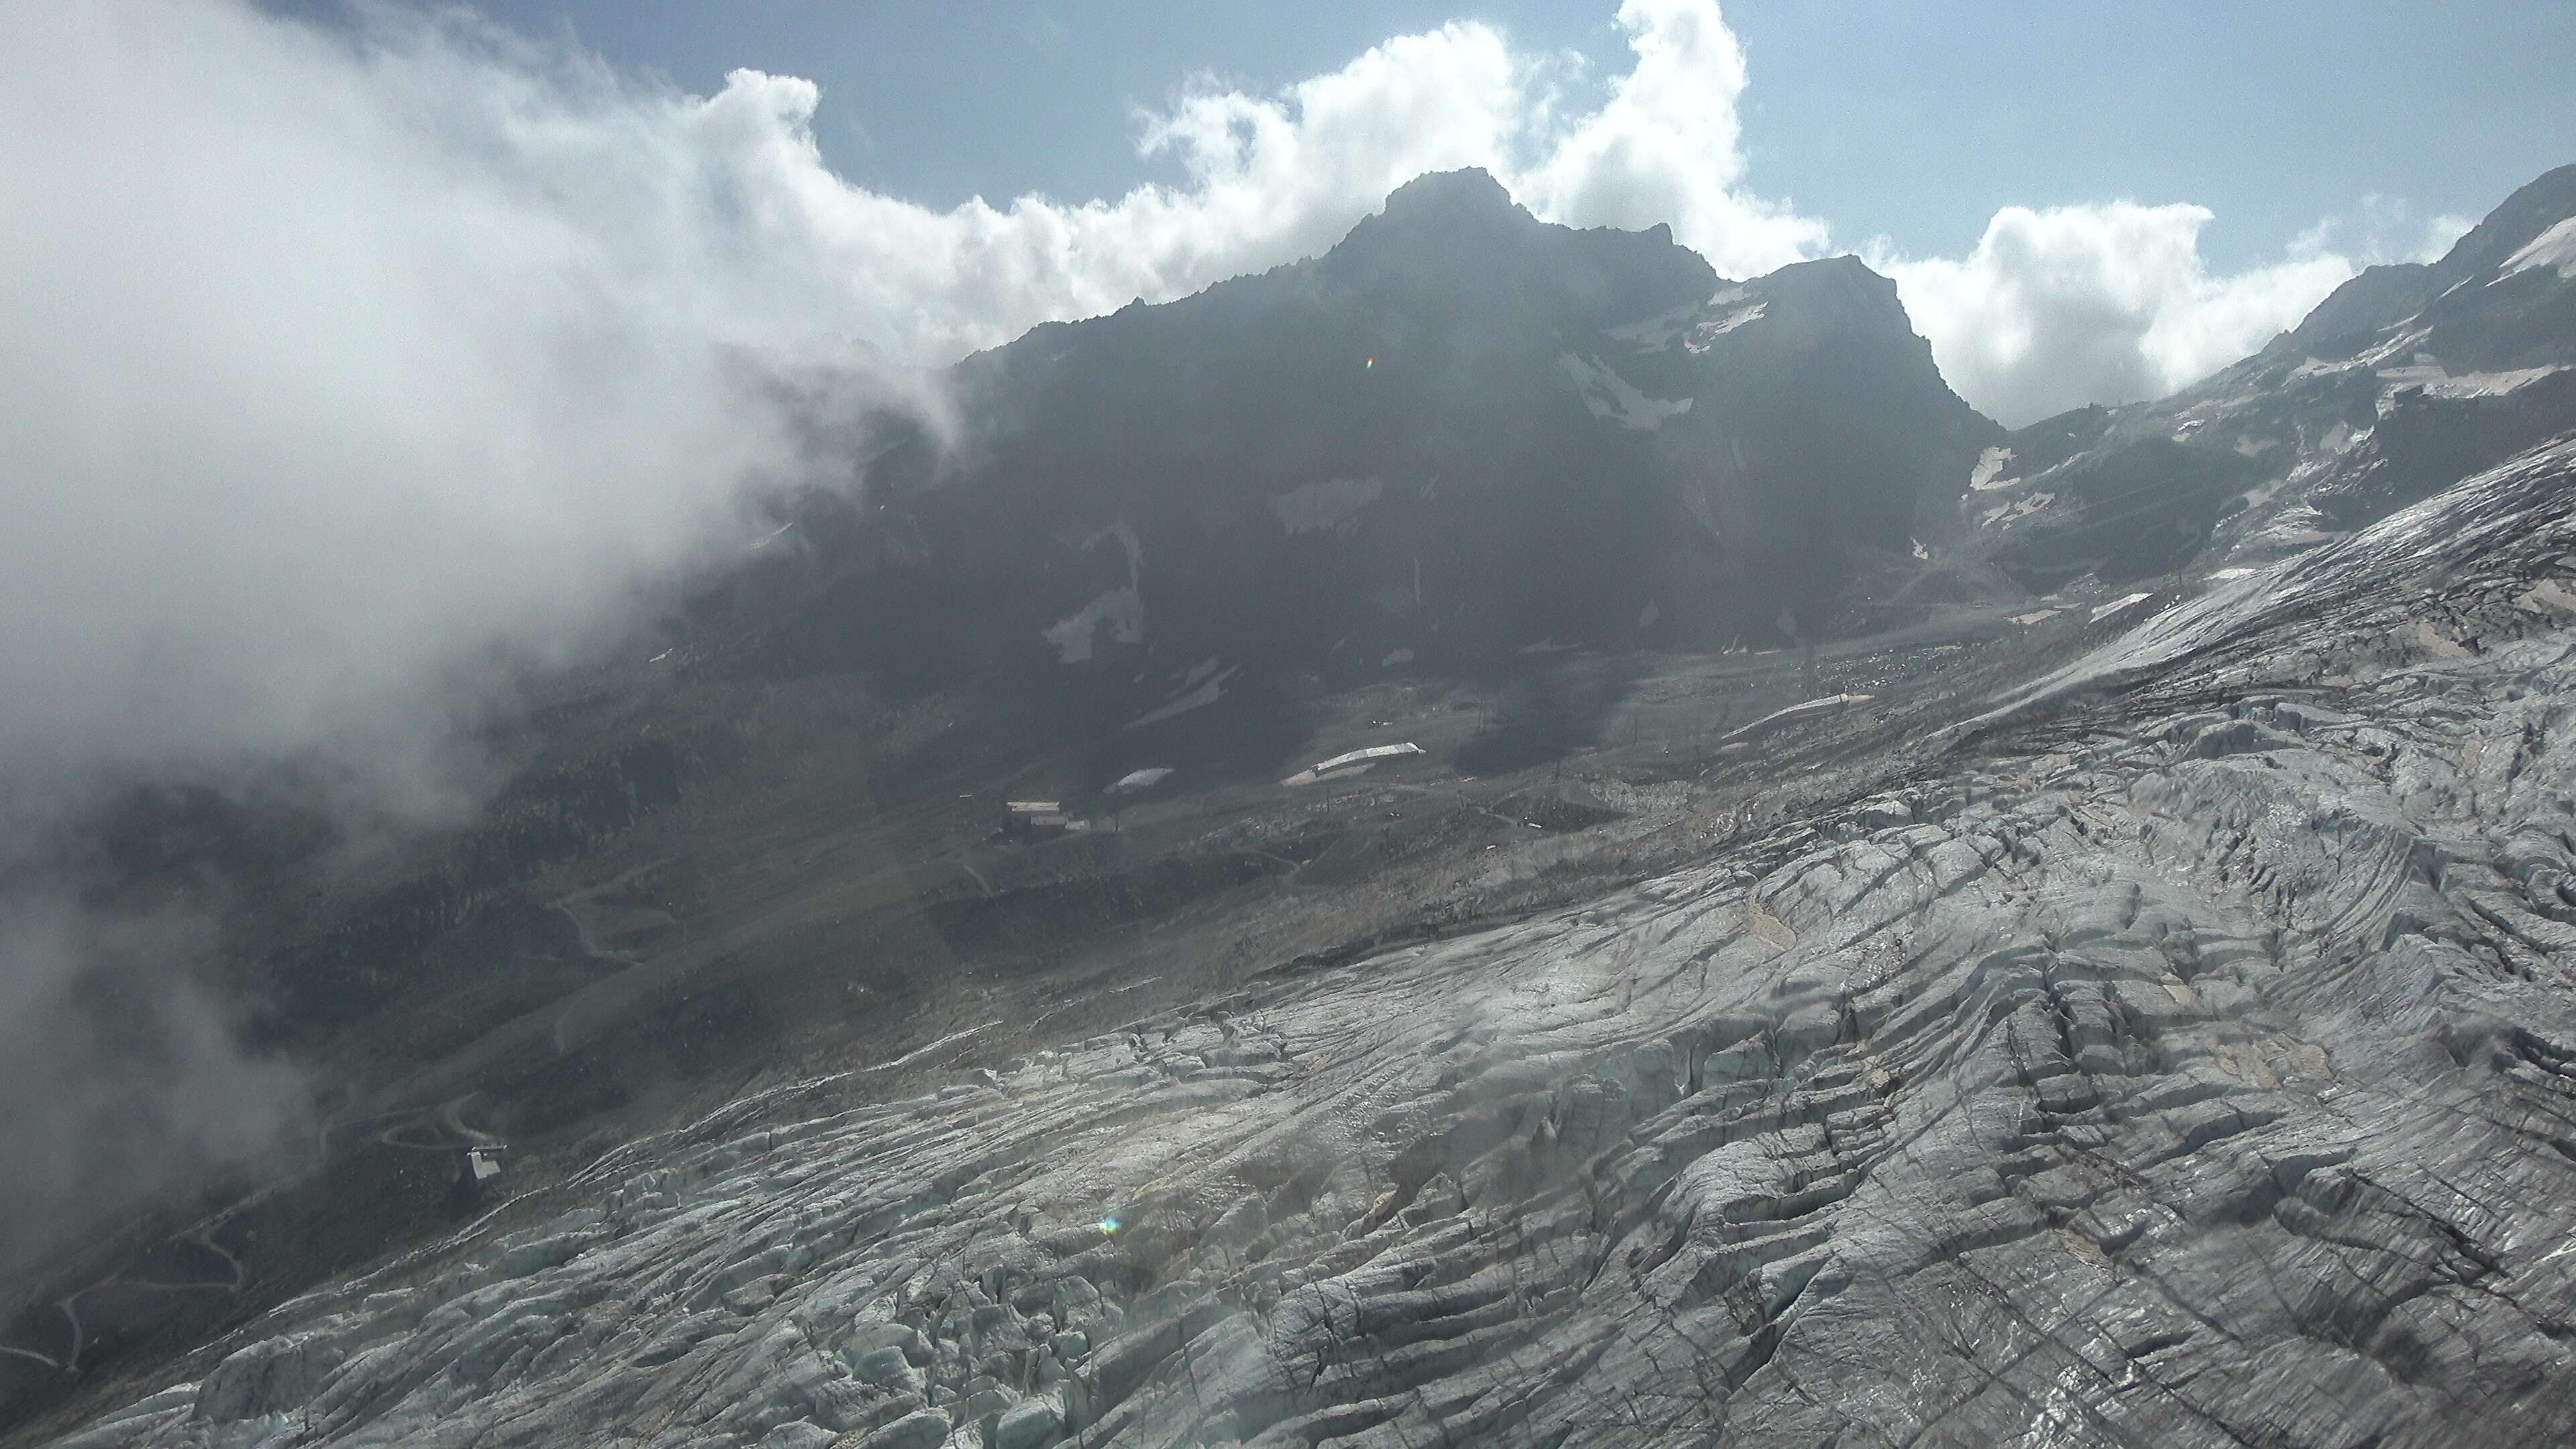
1516	400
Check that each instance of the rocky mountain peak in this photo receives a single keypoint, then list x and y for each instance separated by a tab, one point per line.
1380	453
2522	253
1451	199
1453	245
2546	201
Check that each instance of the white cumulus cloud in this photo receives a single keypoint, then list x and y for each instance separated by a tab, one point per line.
2112	302
2107	303
1272	178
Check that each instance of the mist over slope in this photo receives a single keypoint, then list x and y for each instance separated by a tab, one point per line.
354	389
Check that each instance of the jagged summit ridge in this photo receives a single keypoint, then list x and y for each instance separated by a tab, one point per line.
1492	400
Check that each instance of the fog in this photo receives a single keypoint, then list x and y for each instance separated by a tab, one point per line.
345	380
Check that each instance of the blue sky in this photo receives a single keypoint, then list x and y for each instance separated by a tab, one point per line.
1903	118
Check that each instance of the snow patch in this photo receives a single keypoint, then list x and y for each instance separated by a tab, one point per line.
1122	610
1350	764
2015	512
2489	384
2296	527
1608	395
1778	717
2119	606
1199	698
2402	343
2438	381
1708	332
1989	472
2555	247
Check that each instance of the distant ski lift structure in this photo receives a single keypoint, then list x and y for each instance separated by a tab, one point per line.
1341	767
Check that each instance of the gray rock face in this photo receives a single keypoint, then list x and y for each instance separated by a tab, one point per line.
2187	1058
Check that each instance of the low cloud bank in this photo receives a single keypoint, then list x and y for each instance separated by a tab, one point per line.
2096	304
346	379
2112	303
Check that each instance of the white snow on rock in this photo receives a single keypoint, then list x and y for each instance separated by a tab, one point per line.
2015	512
1122	610
1808	709
1334	504
1351	763
1708	332
1608	395
1135	780
2119	606
1207	693
2299	526
2555	247
2437	382
1989	472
